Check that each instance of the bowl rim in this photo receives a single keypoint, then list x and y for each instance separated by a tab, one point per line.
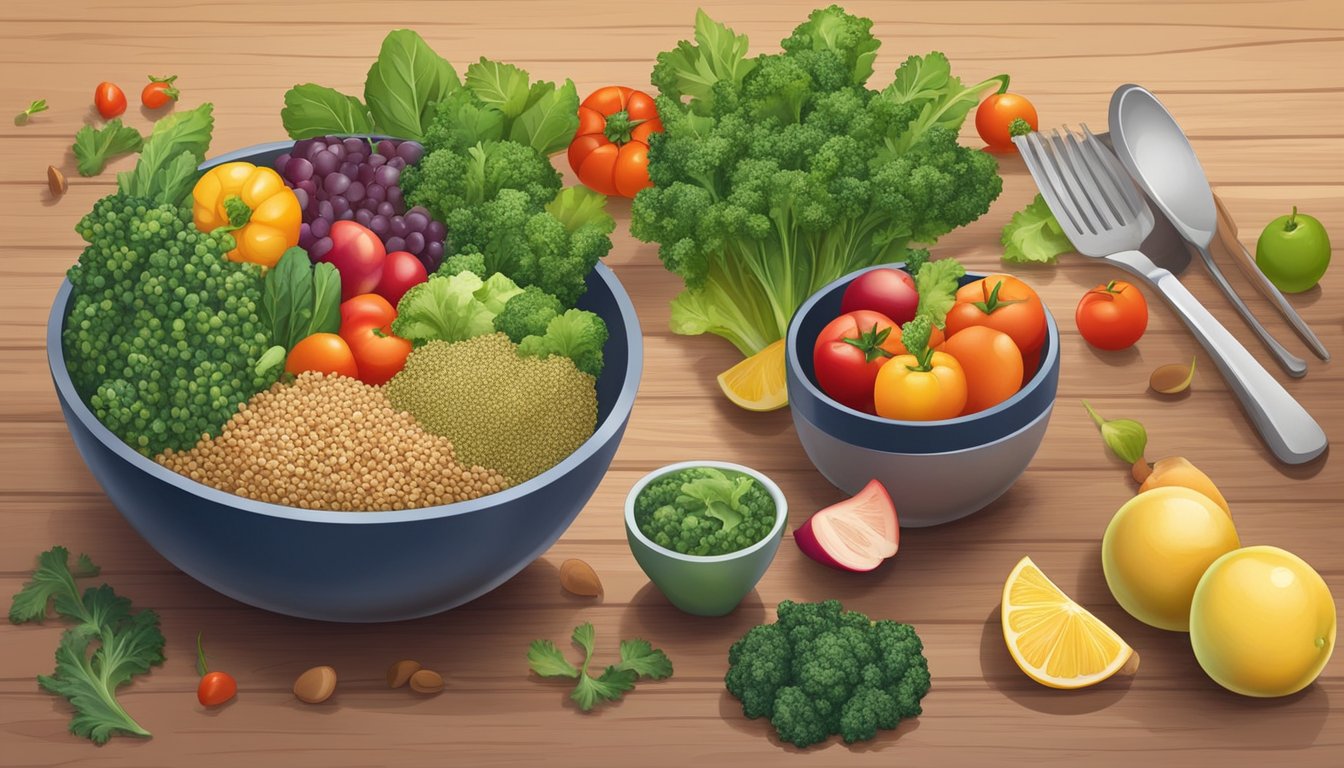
1042	370
605	431
781	511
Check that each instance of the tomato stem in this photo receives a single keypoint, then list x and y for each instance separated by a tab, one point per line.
870	343
620	127
992	302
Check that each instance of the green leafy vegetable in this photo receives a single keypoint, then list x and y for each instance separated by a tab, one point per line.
502	86
166	171
316	110
704	511
550	120
404	83
300	298
1125	437
38	105
1034	235
577	334
778	174
915	336
937	283
108	645
638	659
95	146
450	307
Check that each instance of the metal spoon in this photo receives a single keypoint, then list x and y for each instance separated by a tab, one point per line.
1158	155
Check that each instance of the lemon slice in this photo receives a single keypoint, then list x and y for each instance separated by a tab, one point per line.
757	383
1054	640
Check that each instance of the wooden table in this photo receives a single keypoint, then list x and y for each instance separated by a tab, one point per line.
1255	84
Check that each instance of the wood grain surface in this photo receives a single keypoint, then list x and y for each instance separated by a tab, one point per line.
1257	85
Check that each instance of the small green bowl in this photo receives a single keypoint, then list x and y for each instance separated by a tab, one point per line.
705	586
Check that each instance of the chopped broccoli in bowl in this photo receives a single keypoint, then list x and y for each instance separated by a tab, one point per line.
705	511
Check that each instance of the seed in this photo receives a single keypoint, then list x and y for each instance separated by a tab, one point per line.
56	181
1173	378
579	578
315	685
398	674
426	681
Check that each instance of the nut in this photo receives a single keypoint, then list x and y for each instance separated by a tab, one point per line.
315	685
426	681
56	181
579	578
398	674
1172	379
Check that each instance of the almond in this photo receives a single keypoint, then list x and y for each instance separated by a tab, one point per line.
579	578
400	673
426	681
315	685
56	181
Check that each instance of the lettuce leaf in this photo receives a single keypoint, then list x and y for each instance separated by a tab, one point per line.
1034	236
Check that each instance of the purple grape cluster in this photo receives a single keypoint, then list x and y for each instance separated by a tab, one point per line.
339	179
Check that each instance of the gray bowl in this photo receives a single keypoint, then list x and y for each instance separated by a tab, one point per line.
937	471
357	566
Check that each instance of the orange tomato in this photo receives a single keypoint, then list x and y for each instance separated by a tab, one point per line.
905	392
996	115
610	151
109	99
992	363
1004	303
324	352
366	327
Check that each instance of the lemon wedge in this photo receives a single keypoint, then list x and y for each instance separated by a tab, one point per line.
757	383
1054	640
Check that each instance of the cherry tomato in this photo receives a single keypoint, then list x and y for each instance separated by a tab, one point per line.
1112	316
366	327
109	99
325	352
994	119
889	291
401	270
903	391
216	688
610	151
991	362
1004	303
159	92
848	353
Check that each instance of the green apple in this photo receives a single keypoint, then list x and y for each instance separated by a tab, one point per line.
1293	252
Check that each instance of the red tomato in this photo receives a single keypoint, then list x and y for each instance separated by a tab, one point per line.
995	117
109	99
1112	316
992	363
848	353
1004	303
889	291
366	327
610	151
401	270
358	254
216	688
325	352
159	92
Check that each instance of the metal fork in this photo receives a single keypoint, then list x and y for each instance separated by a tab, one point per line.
1100	210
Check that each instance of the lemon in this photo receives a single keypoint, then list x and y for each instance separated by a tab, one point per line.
1156	548
757	383
1054	640
1262	622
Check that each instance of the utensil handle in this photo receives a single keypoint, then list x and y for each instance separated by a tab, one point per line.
1292	435
1294	365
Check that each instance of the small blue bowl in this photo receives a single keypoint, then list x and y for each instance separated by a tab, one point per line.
939	471
358	566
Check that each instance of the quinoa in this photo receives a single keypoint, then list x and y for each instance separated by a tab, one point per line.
334	443
521	415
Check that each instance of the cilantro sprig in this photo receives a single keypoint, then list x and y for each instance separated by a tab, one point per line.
108	645
638	659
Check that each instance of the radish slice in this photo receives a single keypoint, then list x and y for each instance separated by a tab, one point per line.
856	534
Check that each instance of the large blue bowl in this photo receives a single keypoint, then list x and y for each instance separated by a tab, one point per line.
358	566
937	471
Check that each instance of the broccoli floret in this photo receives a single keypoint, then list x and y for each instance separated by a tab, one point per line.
705	511
527	314
577	334
464	262
164	334
448	180
820	670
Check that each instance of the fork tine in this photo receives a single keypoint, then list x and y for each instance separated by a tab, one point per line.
1051	185
1108	213
1073	189
1108	166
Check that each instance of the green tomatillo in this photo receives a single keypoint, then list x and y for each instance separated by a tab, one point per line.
1293	252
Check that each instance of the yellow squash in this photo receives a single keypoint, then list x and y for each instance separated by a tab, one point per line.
254	204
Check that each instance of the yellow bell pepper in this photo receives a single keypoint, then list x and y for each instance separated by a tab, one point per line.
254	204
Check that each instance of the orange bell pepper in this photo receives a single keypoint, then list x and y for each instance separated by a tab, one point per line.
254	204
